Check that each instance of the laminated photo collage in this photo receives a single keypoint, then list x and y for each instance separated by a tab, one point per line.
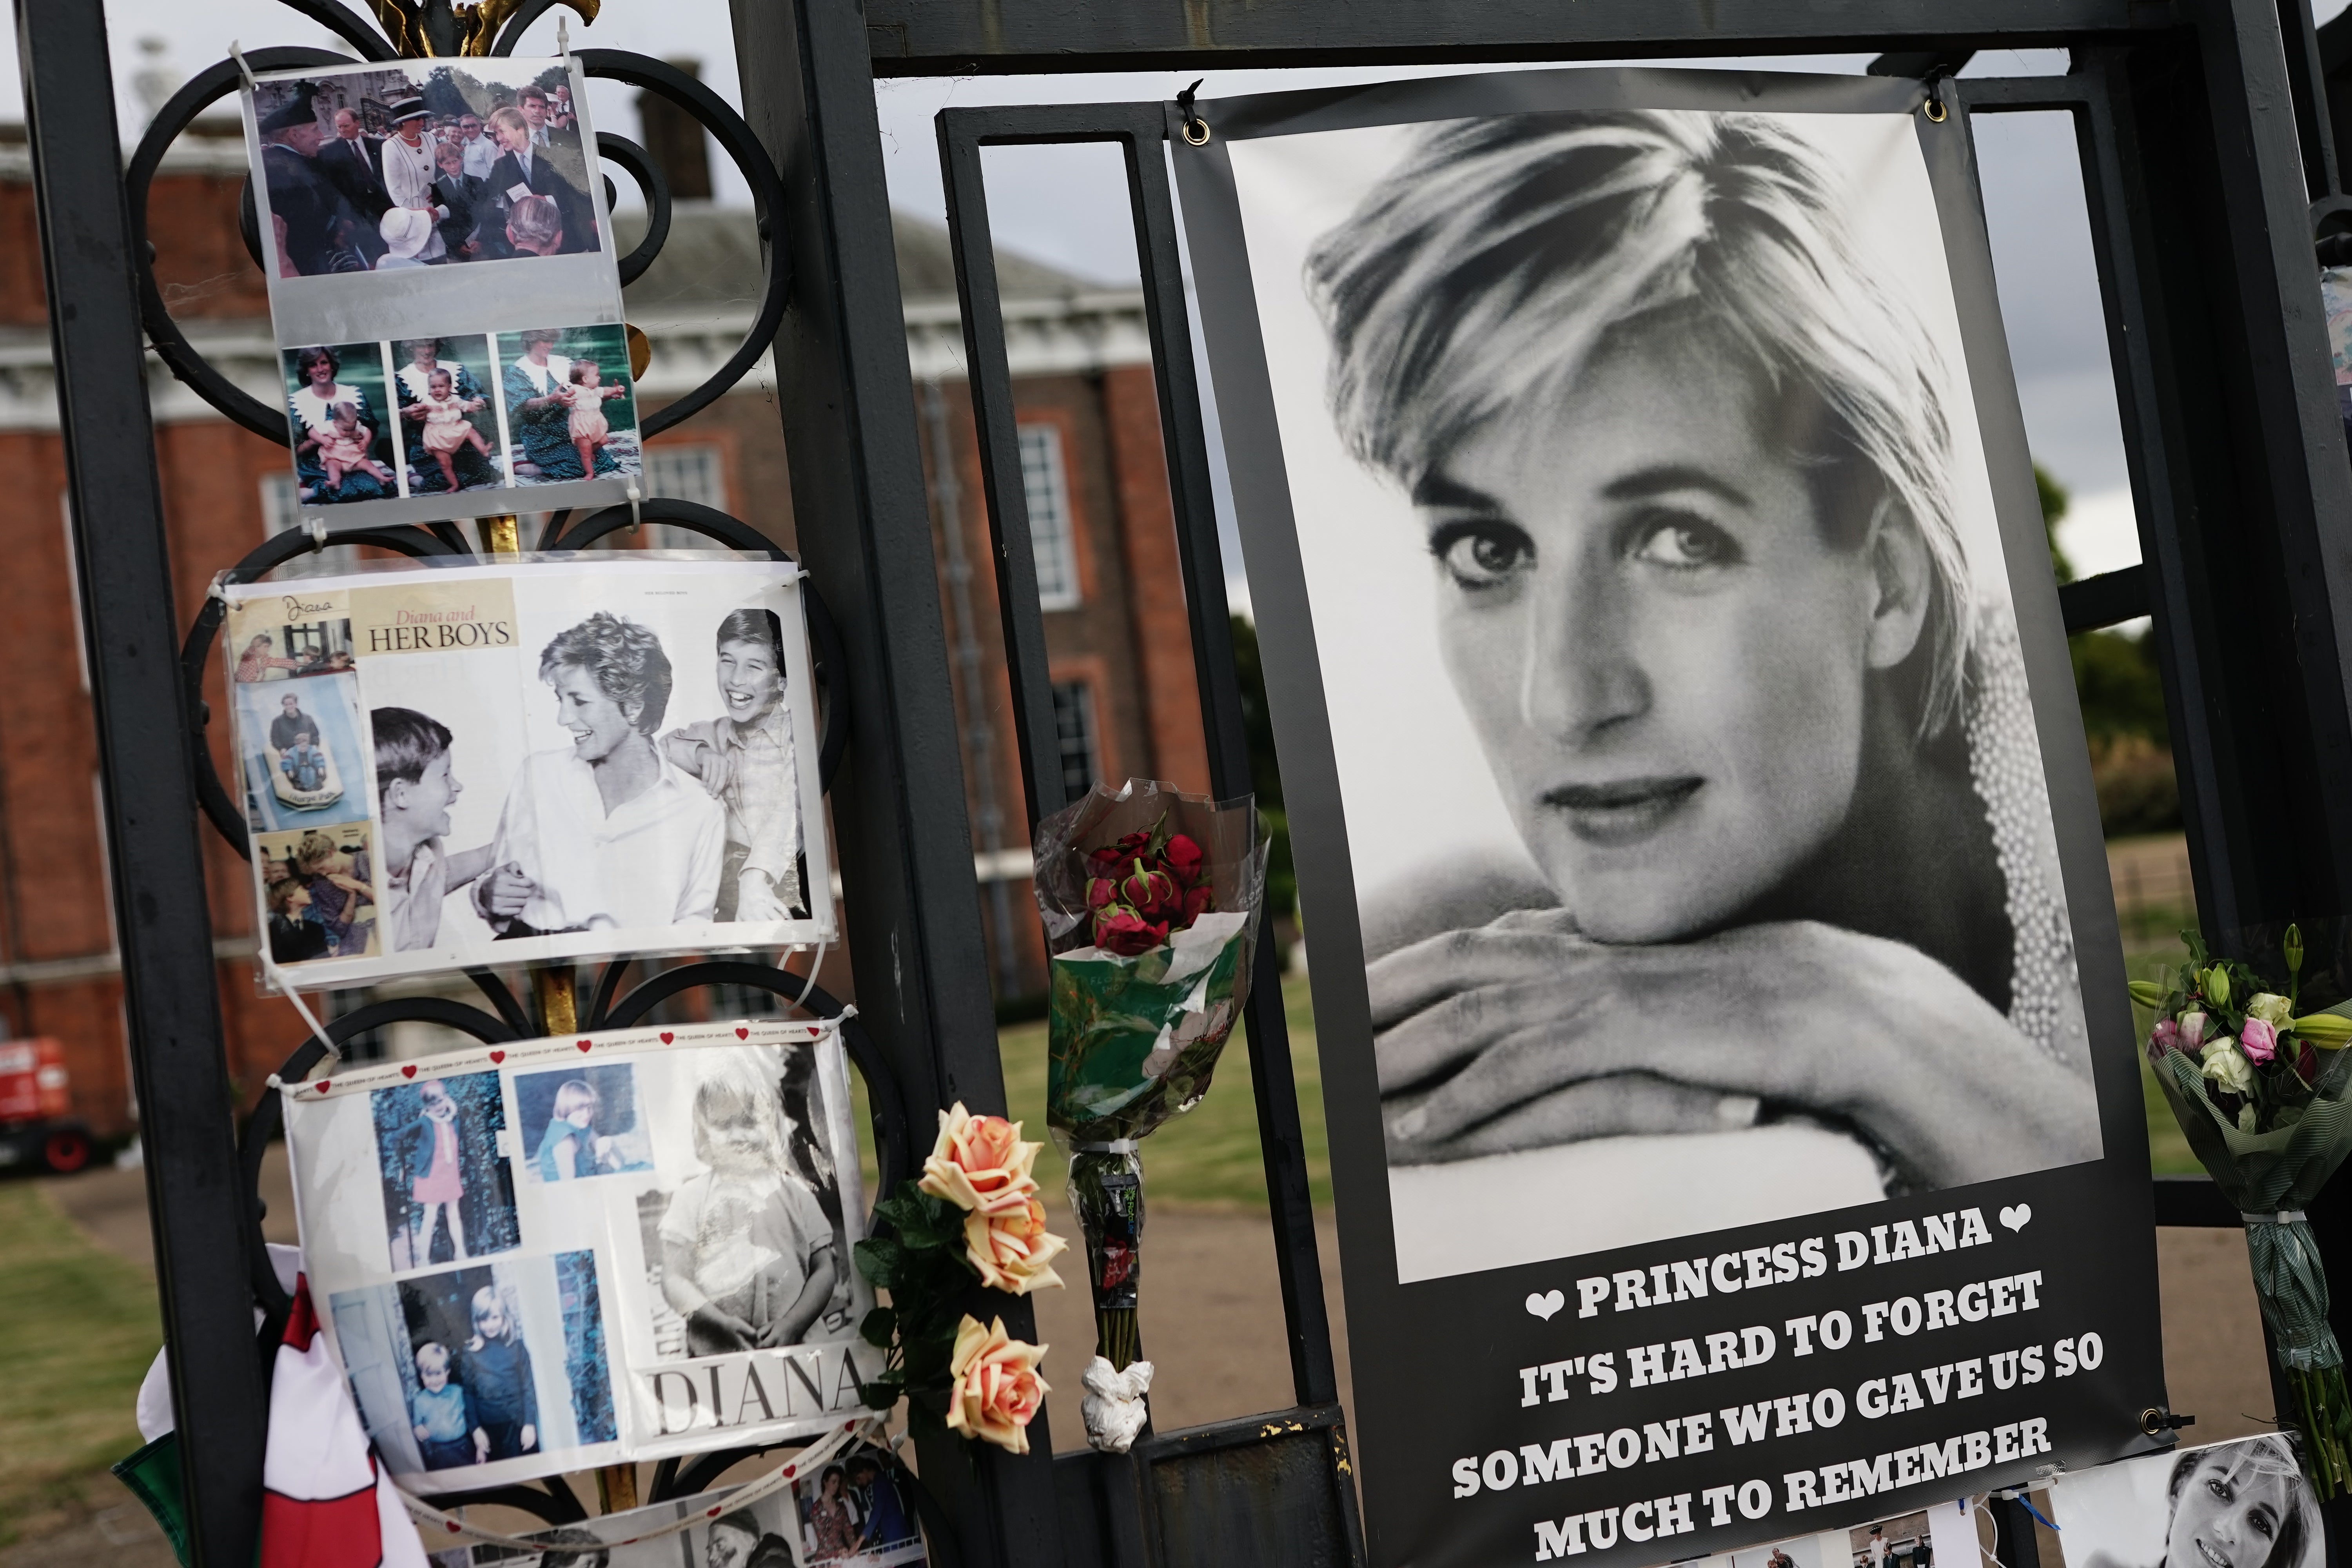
510	764
552	1254
443	289
442	416
856	1512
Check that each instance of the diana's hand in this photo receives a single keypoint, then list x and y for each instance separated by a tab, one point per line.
1519	1033
506	890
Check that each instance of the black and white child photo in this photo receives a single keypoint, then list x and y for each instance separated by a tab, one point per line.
741	1253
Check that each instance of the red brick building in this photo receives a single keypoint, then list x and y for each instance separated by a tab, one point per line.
1091	458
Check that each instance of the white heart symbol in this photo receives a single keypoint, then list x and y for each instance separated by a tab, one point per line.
1545	1303
2017	1216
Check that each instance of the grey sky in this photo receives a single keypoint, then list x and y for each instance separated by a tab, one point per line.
1066	207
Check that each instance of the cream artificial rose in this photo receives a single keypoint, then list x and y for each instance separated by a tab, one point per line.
1014	1251
997	1389
980	1163
2271	1009
2227	1069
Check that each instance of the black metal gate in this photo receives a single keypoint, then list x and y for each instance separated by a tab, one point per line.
2211	169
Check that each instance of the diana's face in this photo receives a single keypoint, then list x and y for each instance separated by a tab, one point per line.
437	1104
490	1322
599	726
2228	1515
323	374
748	680
1664	657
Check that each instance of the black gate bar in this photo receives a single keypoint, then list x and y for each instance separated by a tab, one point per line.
201	1212
1139	131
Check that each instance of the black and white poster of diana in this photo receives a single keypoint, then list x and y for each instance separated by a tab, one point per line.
1733	1118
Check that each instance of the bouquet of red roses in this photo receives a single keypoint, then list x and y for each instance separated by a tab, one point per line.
1150	900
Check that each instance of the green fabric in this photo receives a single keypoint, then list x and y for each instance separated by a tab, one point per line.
153	1474
1109	1014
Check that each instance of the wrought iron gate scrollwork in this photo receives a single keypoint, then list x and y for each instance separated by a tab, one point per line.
508	1016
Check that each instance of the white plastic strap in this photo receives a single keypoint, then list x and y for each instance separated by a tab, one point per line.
243	70
1116	1146
2284	1217
563	36
801	1000
636	513
318	1029
316	527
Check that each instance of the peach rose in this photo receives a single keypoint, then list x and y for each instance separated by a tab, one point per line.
980	1163
1014	1251
997	1389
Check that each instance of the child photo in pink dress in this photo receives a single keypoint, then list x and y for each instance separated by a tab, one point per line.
587	395
447	431
343	446
448	1195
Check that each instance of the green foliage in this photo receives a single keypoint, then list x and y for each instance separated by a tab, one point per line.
2055	501
2122	693
80	1327
917	1254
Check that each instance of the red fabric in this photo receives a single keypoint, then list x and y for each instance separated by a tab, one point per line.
327	1532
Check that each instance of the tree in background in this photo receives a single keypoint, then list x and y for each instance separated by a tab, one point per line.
2122	696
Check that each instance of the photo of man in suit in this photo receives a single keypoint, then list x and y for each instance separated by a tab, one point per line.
523	171
312	208
354	162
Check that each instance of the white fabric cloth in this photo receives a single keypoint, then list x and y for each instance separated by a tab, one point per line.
316	411
552	377
654	861
408	174
1113	1406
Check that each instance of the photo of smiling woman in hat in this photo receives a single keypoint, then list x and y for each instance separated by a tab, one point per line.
1769	920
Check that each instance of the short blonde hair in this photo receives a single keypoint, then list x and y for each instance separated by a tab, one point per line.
433	1348
1491	266
572	1094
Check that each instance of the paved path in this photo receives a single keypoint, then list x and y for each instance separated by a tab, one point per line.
1212	1326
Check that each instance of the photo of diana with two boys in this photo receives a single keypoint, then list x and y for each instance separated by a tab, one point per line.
634	825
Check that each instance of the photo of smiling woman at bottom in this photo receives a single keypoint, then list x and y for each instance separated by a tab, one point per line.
2237	1505
1685	474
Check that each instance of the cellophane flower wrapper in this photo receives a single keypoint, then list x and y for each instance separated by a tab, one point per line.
2272	1174
1134	1039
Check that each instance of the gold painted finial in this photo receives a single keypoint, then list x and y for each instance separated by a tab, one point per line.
433	29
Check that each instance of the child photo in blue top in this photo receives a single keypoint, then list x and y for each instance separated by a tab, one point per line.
582	1122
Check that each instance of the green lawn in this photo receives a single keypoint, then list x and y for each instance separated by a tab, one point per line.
78	1328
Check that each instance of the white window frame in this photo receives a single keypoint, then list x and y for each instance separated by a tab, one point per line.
1090	734
1053	533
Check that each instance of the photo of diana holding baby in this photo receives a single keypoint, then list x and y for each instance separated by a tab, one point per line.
1661	459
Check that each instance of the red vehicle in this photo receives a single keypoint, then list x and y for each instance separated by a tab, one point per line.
37	1123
